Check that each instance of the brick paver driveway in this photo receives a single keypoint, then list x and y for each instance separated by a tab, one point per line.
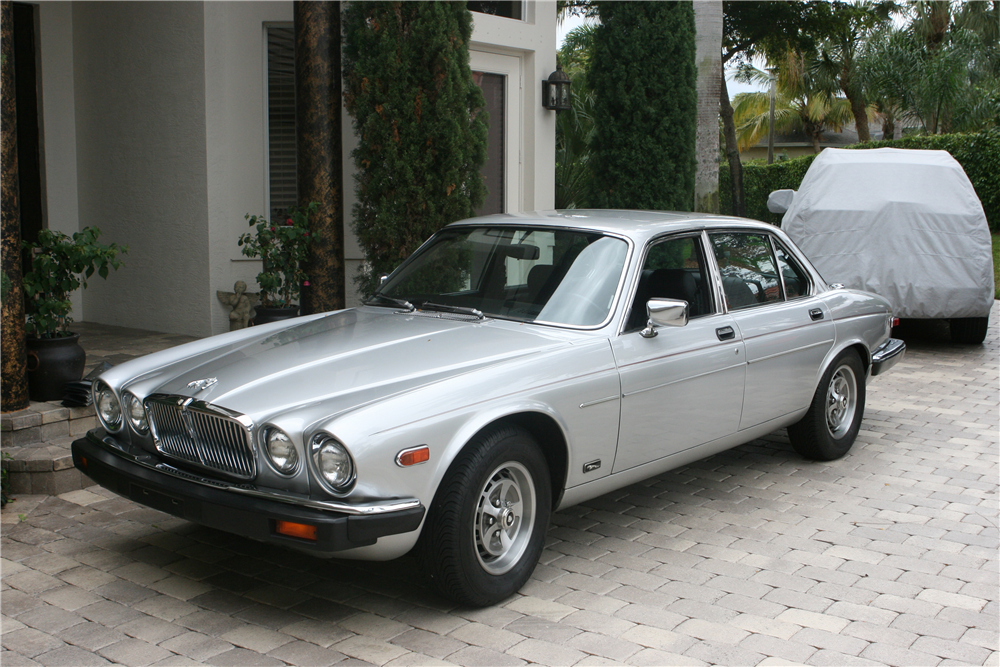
754	556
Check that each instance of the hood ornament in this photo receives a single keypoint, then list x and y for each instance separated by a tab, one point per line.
201	385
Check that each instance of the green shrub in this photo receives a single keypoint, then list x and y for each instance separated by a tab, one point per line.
59	266
420	124
283	246
978	153
645	113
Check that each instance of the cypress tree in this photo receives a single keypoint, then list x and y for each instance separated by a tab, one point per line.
643	74
418	115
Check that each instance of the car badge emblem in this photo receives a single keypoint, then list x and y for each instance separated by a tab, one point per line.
201	385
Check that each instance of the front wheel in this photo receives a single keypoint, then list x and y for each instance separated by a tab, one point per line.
486	526
828	429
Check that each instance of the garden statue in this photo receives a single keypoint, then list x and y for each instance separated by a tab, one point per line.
242	303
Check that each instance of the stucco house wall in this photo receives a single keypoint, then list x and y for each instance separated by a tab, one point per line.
153	119
139	93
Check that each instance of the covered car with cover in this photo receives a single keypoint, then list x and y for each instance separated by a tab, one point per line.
904	224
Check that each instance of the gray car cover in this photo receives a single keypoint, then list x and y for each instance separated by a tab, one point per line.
904	224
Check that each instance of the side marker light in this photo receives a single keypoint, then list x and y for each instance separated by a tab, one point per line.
411	457
300	530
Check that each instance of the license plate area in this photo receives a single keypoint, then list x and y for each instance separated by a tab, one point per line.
156	500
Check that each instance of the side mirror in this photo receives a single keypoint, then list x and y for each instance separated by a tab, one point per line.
780	201
382	278
664	313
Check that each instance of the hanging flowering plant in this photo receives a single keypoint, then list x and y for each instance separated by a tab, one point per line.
283	245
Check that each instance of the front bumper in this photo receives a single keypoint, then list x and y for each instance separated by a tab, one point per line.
887	355
238	508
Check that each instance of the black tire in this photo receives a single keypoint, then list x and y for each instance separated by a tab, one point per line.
968	330
500	478
828	429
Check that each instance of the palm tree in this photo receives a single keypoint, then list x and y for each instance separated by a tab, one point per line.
708	60
943	69
798	105
575	127
836	66
574	132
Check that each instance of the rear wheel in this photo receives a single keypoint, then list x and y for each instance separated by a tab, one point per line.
486	527
828	429
968	330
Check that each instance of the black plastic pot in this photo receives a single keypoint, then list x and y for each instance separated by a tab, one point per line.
52	363
266	315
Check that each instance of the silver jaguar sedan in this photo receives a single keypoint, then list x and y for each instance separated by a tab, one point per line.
512	366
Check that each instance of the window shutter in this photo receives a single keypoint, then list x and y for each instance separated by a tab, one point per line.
281	120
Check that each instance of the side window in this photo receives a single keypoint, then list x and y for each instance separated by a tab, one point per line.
674	269
796	282
748	268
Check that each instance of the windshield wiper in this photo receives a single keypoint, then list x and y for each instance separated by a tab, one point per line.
402	303
459	310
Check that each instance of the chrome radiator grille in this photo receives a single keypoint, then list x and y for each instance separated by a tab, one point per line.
201	434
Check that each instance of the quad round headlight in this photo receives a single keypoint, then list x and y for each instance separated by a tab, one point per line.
136	414
280	451
109	410
333	463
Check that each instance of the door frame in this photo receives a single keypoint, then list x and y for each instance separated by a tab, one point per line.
511	68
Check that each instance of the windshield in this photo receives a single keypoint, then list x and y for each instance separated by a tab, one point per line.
553	276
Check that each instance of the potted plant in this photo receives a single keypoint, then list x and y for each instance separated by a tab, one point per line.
283	246
59	265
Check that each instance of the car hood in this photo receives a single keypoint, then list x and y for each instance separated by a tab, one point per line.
347	359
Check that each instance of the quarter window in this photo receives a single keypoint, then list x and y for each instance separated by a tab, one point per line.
794	278
748	268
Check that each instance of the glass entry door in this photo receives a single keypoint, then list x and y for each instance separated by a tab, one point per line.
499	77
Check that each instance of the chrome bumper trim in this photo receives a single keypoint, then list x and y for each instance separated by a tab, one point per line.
146	460
887	355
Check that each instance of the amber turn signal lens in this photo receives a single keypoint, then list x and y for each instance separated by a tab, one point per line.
410	457
301	530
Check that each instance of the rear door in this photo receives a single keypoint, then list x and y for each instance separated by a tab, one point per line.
786	329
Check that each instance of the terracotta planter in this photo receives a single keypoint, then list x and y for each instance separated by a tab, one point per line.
53	362
266	315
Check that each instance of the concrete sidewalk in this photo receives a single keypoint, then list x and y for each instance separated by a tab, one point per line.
755	556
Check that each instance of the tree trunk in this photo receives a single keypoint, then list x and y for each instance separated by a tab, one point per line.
13	360
860	119
708	60
888	126
732	152
318	150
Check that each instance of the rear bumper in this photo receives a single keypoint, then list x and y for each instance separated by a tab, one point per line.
233	508
887	355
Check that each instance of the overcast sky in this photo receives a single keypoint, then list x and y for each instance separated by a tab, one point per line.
571	22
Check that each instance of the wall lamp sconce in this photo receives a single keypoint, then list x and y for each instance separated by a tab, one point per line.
555	91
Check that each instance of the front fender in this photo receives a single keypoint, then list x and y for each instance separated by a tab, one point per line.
567	386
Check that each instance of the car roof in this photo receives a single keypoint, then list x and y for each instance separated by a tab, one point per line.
637	225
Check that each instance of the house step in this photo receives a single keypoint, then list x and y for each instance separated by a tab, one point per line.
36	446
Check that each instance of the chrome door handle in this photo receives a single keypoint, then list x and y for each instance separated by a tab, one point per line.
725	333
816	313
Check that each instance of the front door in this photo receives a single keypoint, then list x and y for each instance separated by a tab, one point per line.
683	387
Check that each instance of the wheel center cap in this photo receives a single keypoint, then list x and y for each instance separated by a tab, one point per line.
507	518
